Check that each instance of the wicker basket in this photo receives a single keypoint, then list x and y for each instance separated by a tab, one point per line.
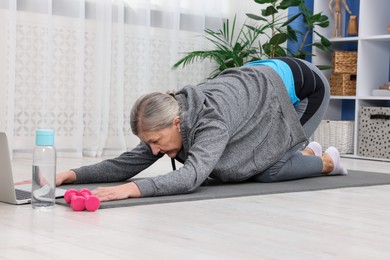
342	84
344	62
336	133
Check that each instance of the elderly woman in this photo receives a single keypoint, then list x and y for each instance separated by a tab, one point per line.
248	124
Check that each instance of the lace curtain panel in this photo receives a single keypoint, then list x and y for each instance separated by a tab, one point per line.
77	66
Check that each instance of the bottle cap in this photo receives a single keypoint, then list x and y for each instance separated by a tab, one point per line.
44	137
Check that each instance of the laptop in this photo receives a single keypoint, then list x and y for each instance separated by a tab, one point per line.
9	192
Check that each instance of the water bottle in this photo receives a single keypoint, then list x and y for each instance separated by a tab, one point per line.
44	170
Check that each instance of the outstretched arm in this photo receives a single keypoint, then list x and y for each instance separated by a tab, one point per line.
124	191
121	168
346	7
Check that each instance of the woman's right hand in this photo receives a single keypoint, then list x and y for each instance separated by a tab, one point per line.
65	177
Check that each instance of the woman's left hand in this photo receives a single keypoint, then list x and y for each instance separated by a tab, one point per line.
124	191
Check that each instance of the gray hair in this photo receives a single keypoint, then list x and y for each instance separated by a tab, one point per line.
153	112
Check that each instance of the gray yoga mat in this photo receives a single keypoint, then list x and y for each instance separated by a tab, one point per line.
216	190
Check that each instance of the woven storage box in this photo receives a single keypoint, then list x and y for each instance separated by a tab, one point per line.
374	132
344	62
336	133
342	84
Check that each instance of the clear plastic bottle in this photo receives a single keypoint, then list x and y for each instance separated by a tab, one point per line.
44	170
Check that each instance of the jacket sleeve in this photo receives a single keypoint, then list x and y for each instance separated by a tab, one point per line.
121	168
209	142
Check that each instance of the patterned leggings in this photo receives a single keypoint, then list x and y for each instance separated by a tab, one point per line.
312	88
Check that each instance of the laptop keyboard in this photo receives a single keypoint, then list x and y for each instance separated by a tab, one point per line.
22	194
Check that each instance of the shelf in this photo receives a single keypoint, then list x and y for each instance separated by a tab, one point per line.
373	62
361	97
342	97
344	39
384	37
374	97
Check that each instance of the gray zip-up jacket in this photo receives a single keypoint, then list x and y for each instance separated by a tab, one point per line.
233	127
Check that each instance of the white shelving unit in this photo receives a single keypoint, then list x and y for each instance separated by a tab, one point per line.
373	66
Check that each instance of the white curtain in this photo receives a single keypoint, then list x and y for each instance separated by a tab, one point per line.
77	66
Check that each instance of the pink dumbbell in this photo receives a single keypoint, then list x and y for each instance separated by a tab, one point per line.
76	201
92	202
81	200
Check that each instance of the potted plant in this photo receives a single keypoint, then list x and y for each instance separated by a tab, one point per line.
272	26
230	50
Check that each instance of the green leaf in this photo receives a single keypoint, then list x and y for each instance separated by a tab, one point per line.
305	10
317	44
198	55
278	38
323	18
324	40
226	29
287	3
292	35
266	1
324	67
279	52
238	47
321	47
291	19
324	24
256	17
255	29
316	17
270	10
305	53
267	49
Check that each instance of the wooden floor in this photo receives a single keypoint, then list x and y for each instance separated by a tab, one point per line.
350	223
